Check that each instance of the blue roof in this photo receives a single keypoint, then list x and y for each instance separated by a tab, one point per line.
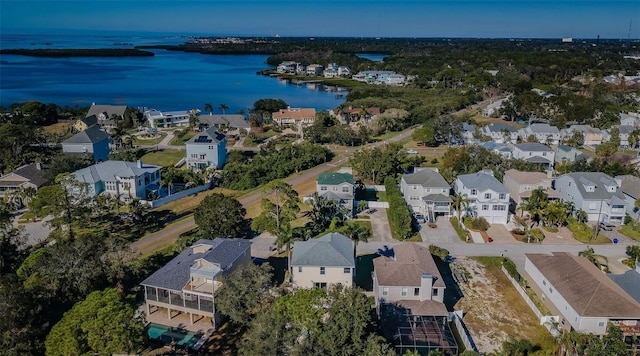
330	250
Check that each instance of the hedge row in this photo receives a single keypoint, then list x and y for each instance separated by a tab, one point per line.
398	213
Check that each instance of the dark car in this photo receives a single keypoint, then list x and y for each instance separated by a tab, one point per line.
605	226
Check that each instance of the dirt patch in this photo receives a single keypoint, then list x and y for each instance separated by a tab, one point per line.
493	308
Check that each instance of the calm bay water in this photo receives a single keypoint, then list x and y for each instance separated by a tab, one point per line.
170	80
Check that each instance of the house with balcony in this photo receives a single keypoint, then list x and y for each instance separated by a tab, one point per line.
487	197
630	186
594	192
91	141
591	135
409	293
585	298
314	70
294	116
207	149
168	119
543	133
520	184
183	292
125	180
500	133
288	67
534	152
339	187
321	262
427	192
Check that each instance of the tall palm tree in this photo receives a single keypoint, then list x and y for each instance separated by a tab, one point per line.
193	118
460	202
208	107
356	233
223	108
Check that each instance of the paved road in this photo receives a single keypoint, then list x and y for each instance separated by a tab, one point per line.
169	235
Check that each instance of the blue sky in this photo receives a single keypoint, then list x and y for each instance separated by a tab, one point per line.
403	18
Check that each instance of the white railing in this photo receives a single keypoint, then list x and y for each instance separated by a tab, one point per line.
463	332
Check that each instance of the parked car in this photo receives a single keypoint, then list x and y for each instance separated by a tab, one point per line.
420	218
412	152
606	226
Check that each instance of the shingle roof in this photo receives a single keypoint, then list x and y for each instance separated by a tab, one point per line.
543	128
90	120
330	250
235	121
537	159
175	274
566	148
109	109
482	181
296	114
410	262
427	178
108	170
597	179
31	172
499	127
533	146
335	178
629	282
437	197
630	185
589	291
89	136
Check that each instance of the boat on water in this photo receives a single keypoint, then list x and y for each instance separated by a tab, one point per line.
339	96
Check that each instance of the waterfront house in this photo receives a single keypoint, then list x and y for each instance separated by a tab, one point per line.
337	186
288	67
168	119
108	115
91	141
595	193
500	133
207	149
125	180
543	133
585	298
427	192
314	70
487	197
294	116
520	184
372	76
321	262
183	291
232	122
591	135
395	79
534	152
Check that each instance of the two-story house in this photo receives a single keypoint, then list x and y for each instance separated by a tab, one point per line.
207	149
108	116
321	262
629	185
520	184
543	133
591	135
126	180
595	193
487	197
500	133
337	186
568	154
630	119
497	148
294	116
624	131
14	184
314	69
233	122
167	119
183	291
427	192
350	114
91	141
534	152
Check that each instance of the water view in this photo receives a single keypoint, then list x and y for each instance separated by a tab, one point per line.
170	80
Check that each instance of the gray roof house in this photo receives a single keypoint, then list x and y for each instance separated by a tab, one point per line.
107	115
568	154
500	133
318	263
596	193
182	292
534	152
207	149
629	281
630	186
591	136
27	177
624	130
543	133
427	192
92	140
502	150
488	198
337	186
631	119
126	180
230	121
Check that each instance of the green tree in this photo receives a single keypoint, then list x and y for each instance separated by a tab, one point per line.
424	136
101	324
357	233
245	293
209	108
322	211
518	347
460	203
219	215
223	108
12	242
193	118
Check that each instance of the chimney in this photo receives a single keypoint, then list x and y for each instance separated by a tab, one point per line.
426	286
39	166
139	163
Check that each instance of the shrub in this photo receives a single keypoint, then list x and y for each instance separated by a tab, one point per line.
439	252
462	234
512	269
398	213
581	231
517	231
480	224
434	161
536	234
628	220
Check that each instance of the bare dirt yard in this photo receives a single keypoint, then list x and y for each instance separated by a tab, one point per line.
493	308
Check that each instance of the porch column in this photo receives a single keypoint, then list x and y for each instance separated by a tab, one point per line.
191	318
169	313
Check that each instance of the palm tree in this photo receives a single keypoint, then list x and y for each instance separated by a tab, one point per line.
594	258
193	118
223	108
356	233
208	107
460	202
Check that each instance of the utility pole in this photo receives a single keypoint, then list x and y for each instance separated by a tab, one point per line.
597	229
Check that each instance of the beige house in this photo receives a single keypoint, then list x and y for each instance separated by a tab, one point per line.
584	297
182	292
520	184
294	116
321	262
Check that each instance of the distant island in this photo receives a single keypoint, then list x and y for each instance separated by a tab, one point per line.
82	52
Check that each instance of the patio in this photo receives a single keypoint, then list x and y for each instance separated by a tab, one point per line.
180	320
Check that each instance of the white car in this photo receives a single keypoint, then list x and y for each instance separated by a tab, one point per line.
412	152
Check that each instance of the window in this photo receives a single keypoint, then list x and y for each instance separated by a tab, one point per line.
385	290
347	270
601	323
413	197
415	187
322	285
550	290
299	268
212	147
416	291
498	207
345	189
194	155
502	196
485	207
544	282
435	292
322	270
474	192
404	291
487	195
323	187
428	190
592	206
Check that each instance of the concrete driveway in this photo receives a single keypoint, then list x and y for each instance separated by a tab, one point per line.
443	233
500	234
380	226
35	232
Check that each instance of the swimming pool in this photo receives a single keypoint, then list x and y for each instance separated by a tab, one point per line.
167	335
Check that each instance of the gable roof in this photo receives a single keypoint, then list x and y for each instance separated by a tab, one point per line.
208	136
566	148
542	128
630	185
597	179
29	172
91	135
235	121
499	127
410	262
589	291
175	274
335	178
482	181
522	177
89	120
330	250
629	282
294	113
108	109
533	146
427	178
108	170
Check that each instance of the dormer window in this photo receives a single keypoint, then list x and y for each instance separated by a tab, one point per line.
474	191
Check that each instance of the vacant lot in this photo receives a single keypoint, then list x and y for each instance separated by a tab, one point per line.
494	309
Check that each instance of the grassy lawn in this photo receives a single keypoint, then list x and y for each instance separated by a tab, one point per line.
148	139
166	158
181	141
188	204
631	231
462	234
58	128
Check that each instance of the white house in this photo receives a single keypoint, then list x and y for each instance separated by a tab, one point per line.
426	192
494	108
207	149
126	180
584	297
314	69
534	152
488	198
591	135
630	119
500	133
321	262
168	119
543	133
502	150
595	193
